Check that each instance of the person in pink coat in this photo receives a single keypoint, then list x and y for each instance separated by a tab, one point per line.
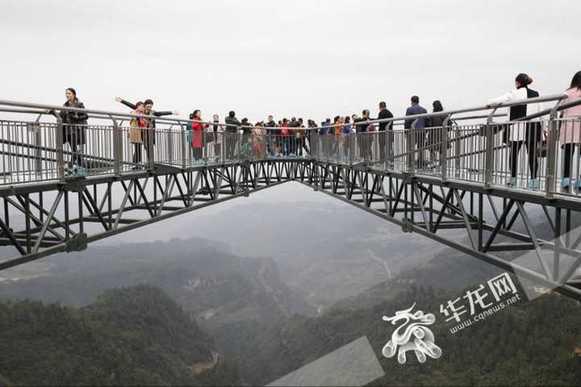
570	131
198	134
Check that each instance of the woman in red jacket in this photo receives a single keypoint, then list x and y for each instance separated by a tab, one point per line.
198	134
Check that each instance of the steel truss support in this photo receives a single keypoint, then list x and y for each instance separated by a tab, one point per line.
85	210
38	221
493	222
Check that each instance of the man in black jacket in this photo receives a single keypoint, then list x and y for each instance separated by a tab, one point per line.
364	141
149	133
384	113
270	135
231	134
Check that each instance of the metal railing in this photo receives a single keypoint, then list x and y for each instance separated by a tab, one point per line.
538	153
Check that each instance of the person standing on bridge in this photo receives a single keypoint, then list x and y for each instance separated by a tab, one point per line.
415	130
137	125
198	128
384	114
149	132
285	137
311	134
231	135
347	138
570	132
246	147
364	140
303	148
435	134
217	137
74	127
516	134
258	141
270	136
337	140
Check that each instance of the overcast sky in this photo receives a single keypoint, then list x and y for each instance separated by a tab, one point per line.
306	58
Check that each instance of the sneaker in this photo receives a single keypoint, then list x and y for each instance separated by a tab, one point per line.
578	186
565	183
511	182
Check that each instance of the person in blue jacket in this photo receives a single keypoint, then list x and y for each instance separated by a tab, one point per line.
416	134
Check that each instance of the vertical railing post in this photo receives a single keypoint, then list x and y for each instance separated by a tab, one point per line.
411	147
489	151
552	151
38	143
223	139
389	139
170	145
150	147
444	139
117	146
59	137
184	143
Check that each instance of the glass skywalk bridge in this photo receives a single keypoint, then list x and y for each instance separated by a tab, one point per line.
500	183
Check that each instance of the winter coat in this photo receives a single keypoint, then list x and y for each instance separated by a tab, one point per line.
148	135
198	134
74	124
411	111
384	114
232	124
137	126
436	135
520	132
570	131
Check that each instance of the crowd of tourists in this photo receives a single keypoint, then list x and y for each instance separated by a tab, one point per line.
340	138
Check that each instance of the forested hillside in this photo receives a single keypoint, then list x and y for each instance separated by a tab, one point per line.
526	344
130	336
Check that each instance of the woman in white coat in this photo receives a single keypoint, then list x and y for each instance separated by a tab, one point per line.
529	134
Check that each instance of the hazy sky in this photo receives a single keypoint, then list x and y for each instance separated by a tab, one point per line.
305	58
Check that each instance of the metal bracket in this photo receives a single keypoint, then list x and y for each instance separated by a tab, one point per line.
407	226
77	243
74	183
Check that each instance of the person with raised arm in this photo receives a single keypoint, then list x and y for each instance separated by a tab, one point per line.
137	126
515	134
570	131
148	108
74	127
149	132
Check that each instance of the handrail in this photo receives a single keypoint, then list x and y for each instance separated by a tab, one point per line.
555	97
545	112
88	111
548	98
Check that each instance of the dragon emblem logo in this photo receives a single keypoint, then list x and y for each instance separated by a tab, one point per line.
412	335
